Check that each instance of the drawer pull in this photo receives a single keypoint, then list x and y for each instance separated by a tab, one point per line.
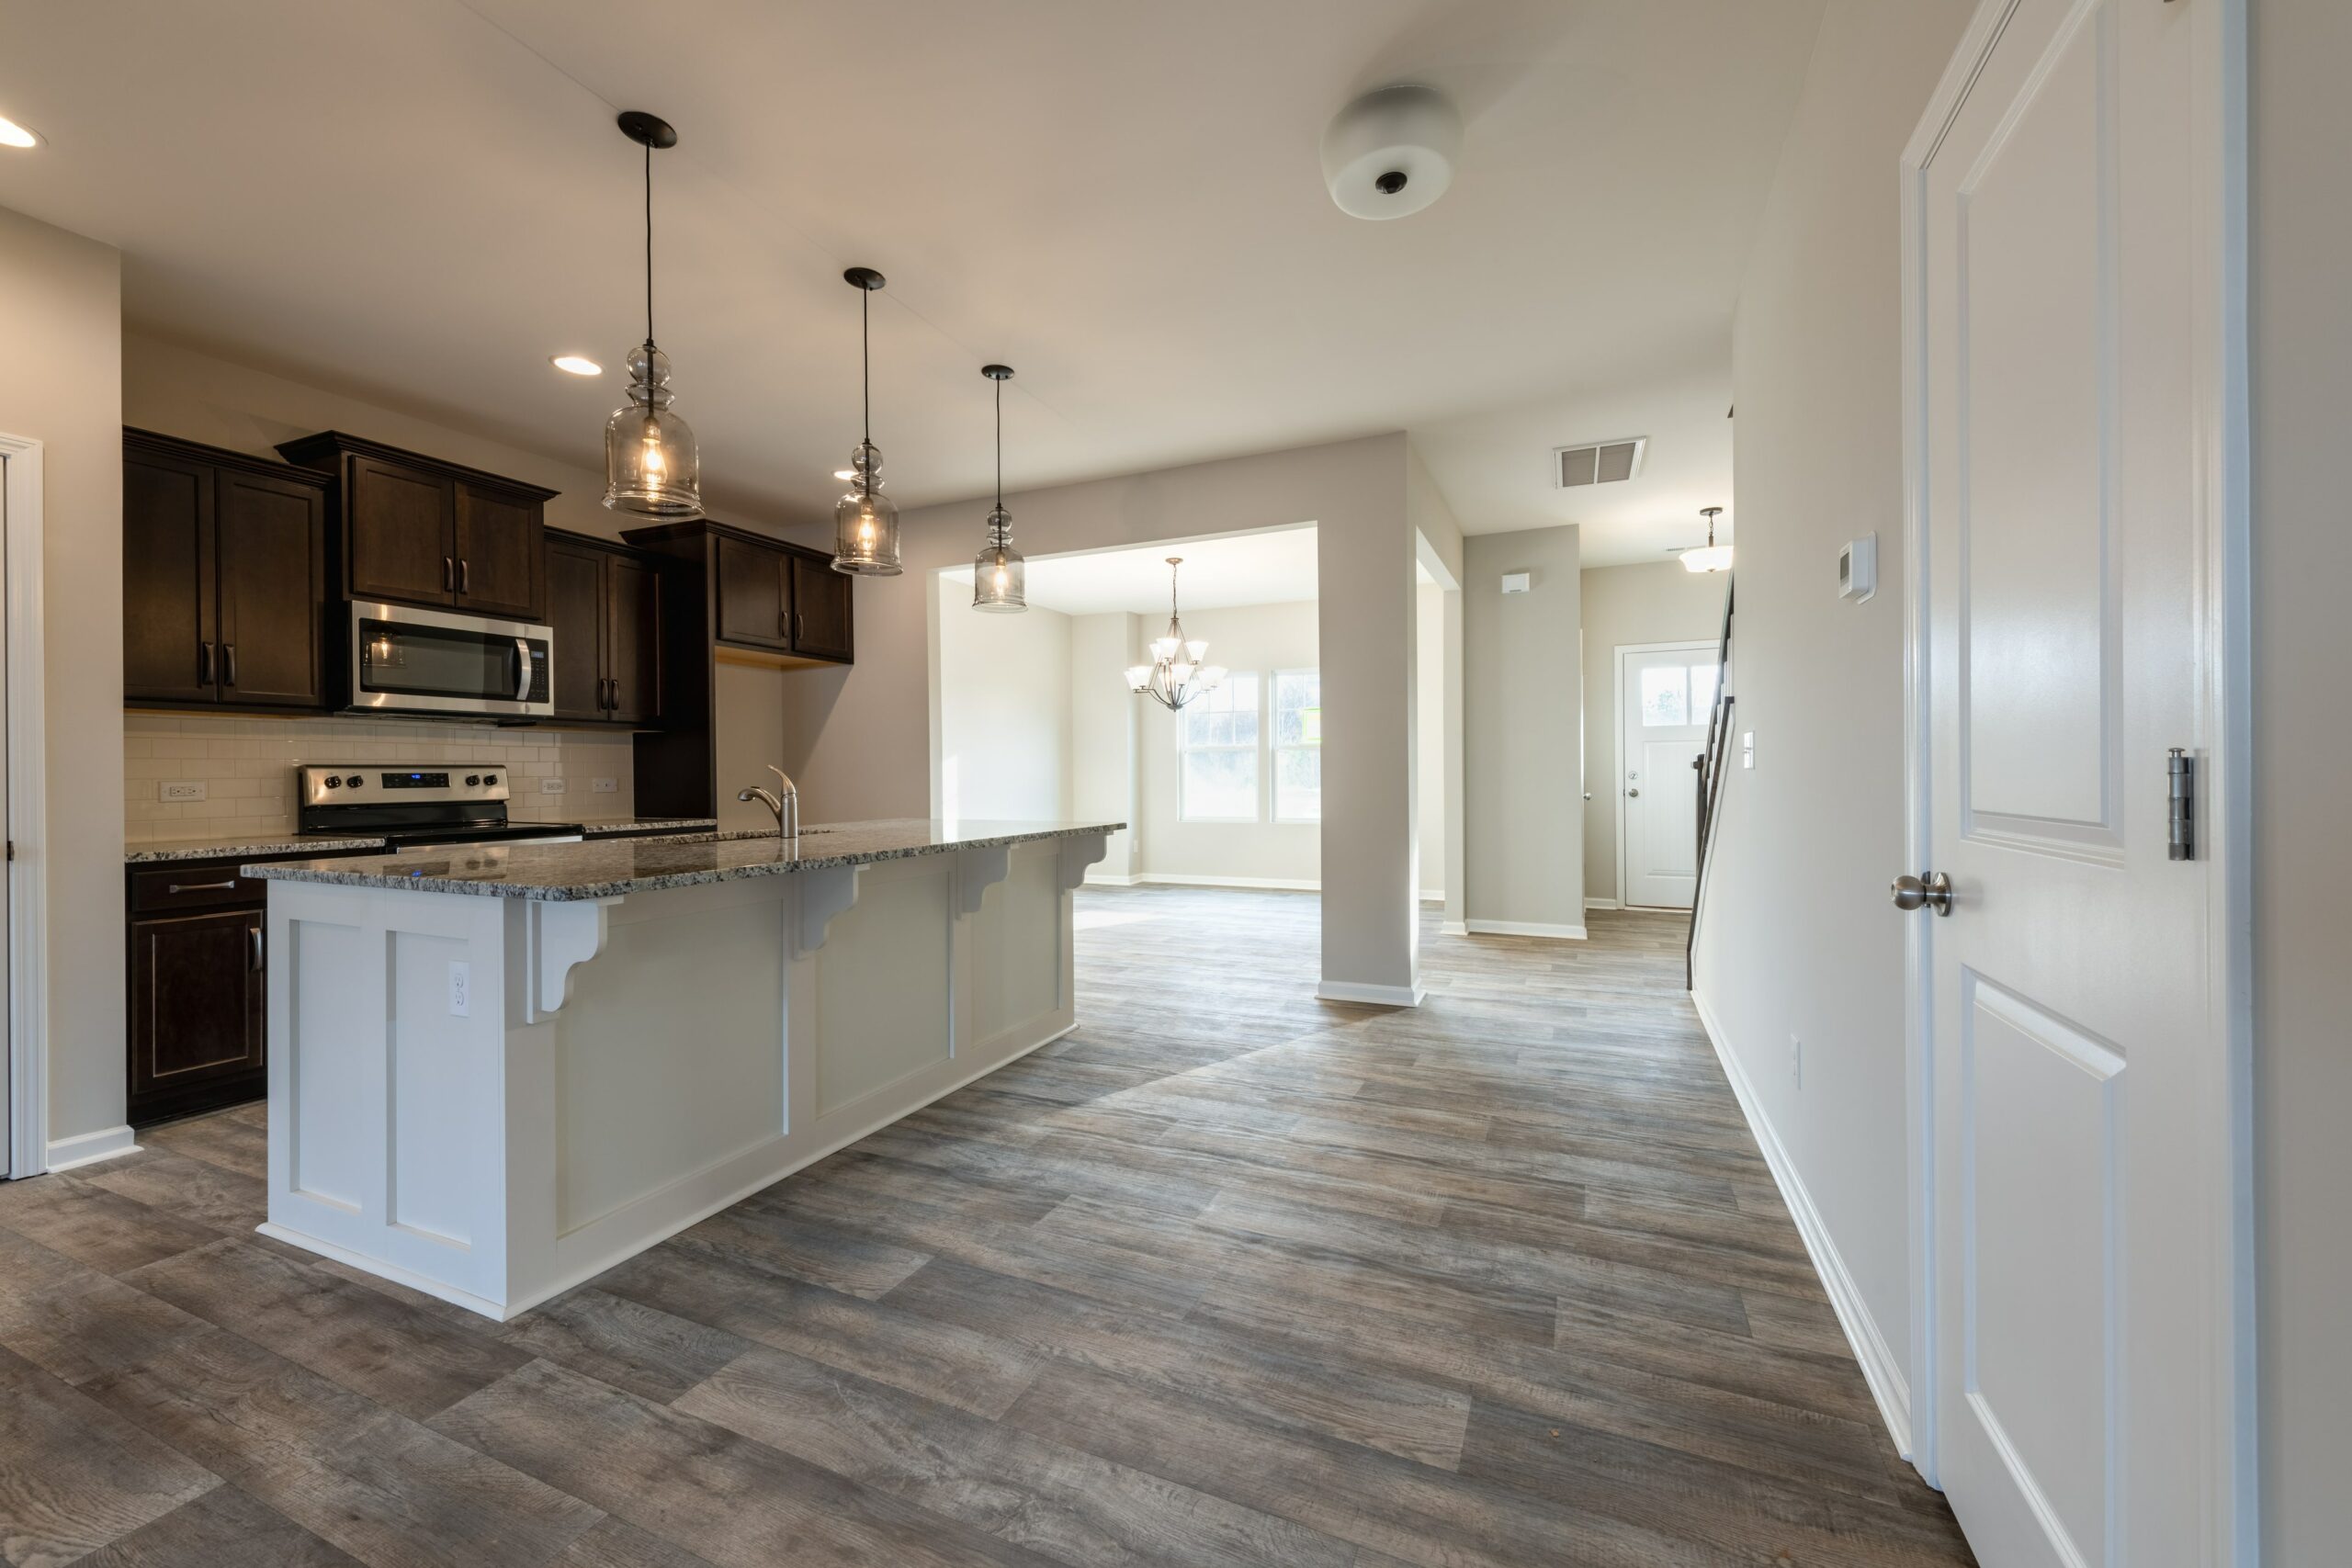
254	933
179	888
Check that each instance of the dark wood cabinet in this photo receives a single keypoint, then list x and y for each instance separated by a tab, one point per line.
820	607
604	605
416	530
754	586
224	577
198	1011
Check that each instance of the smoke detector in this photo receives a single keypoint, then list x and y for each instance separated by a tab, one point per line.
1599	462
1392	151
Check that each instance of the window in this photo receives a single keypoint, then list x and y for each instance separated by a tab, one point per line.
1677	693
1216	739
1298	746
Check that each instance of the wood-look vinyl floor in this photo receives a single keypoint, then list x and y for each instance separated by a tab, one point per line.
1228	1277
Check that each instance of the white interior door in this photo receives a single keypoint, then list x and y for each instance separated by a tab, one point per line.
1664	697
2075	1044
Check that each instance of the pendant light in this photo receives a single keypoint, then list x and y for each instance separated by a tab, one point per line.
865	522
650	467
1715	557
1175	675
1000	575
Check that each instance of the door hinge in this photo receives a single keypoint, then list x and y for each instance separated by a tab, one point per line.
2180	771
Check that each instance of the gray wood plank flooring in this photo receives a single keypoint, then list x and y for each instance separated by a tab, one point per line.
1229	1277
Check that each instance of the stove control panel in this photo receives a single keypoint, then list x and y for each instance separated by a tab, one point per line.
360	783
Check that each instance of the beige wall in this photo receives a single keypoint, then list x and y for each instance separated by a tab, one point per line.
1624	605
1524	814
1795	937
60	312
861	737
1004	712
1258	639
2301	286
1105	732
1428	726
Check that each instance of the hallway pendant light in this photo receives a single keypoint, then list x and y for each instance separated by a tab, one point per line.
998	576
1715	557
865	522
650	467
1176	673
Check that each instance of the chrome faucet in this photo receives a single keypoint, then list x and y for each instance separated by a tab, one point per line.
784	804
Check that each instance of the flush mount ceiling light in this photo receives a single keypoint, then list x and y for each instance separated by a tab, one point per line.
15	135
865	522
575	365
651	469
1713	557
1390	152
1175	675
998	576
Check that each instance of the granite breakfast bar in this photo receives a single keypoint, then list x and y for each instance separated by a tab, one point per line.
499	1070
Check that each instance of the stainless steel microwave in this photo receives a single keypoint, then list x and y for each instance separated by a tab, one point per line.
432	662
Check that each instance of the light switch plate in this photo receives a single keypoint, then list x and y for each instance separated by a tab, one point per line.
552	787
184	789
607	787
1748	748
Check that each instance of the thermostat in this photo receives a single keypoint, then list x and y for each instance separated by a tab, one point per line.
1857	569
1517	582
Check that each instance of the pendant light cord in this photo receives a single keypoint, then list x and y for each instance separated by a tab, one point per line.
999	446
866	360
648	241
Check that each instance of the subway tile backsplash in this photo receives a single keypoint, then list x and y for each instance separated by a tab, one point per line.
248	768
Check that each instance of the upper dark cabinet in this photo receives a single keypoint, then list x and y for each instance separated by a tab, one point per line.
416	530
604	605
820	607
779	603
225	577
755	592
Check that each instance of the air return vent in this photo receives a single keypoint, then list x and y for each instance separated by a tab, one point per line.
1603	462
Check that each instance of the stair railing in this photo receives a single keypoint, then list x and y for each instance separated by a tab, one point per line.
1710	765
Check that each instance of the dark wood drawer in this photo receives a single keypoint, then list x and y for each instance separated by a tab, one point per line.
193	885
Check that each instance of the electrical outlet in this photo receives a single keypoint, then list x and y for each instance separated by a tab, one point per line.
552	787
461	989
184	789
607	787
1796	1061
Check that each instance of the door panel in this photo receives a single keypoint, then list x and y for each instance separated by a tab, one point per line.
401	521
272	547
168	595
575	576
820	608
1662	710
633	639
197	1000
498	544
752	594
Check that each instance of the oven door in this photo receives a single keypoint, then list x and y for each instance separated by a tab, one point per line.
409	661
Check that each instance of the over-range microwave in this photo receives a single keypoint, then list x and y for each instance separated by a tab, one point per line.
405	659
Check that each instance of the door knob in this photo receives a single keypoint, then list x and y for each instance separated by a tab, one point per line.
1934	890
1630	793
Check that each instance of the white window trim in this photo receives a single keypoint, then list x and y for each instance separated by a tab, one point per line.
1262	784
1274	749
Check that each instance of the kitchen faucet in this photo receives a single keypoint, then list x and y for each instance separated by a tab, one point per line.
784	804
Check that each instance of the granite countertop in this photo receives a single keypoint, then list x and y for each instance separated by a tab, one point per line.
610	868
290	844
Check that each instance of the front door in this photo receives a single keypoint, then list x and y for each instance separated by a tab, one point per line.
1664	697
2075	1044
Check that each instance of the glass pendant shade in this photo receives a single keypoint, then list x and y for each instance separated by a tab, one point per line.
651	467
1138	677
1000	577
865	522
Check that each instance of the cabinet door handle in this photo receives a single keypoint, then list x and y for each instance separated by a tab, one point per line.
799	626
204	664
228	663
177	888
465	575
254	933
614	700
449	574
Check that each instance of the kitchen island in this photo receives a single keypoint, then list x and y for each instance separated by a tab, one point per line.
496	1071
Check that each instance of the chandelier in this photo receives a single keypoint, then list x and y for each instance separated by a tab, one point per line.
1175	675
1713	557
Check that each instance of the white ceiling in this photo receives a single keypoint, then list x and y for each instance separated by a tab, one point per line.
419	203
1230	569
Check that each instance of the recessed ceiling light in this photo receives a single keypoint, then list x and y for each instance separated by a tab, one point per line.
575	365
15	135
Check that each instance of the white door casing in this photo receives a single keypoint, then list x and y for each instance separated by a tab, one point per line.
24	1049
1665	692
2075	424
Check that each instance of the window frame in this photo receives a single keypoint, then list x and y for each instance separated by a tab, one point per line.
1275	748
1254	749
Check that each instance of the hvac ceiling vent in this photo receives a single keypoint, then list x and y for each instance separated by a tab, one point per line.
1603	462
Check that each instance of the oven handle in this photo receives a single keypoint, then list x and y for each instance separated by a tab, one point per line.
521	669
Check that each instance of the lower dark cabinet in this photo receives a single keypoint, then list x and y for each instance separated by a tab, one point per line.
198	1012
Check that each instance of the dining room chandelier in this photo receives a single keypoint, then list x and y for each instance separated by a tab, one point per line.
1178	672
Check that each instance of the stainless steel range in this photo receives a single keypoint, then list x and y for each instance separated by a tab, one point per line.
411	807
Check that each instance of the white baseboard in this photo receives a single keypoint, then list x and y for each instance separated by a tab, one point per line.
1452	928
1881	1369
1108	879
1432	895
1602	904
1524	928
1375	995
88	1148
1278	884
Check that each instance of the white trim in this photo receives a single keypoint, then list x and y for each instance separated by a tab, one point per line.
1108	879
1373	995
1432	895
1592	904
88	1148
1882	1370
26	1047
1617	748
2223	466
1522	927
1185	879
1453	928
